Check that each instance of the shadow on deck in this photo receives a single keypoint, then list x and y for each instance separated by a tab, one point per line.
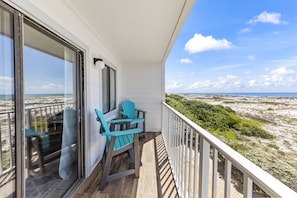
155	179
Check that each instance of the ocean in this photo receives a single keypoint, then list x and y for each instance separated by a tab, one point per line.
255	94
8	97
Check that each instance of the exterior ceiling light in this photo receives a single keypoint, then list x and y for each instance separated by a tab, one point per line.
98	62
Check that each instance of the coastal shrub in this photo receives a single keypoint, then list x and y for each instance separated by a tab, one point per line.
252	128
273	146
217	119
228	135
239	146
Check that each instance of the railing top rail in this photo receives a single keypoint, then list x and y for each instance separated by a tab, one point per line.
266	181
38	107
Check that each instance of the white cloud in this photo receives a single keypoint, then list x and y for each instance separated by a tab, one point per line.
266	17
247	72
251	57
6	83
200	43
173	86
252	83
245	30
224	67
280	77
52	86
185	60
227	83
5	80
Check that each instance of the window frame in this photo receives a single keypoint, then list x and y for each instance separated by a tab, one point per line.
109	89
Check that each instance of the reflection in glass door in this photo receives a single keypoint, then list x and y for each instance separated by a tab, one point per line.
51	125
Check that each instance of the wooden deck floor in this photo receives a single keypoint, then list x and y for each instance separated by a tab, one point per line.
155	175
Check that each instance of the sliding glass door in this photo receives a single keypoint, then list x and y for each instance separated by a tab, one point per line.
51	113
7	107
40	108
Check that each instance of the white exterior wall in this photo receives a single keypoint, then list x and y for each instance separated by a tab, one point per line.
56	16
143	83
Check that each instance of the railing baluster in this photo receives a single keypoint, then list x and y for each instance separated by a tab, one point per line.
186	160
228	167
203	167
10	142
35	120
181	170
196	166
247	187
182	156
215	170
190	164
40	119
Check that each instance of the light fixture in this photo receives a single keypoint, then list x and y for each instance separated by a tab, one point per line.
98	62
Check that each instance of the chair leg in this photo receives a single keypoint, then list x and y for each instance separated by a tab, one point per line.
132	156
107	164
136	155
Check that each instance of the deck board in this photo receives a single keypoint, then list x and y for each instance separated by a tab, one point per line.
151	182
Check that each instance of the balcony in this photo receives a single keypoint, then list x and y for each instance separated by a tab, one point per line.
182	161
187	161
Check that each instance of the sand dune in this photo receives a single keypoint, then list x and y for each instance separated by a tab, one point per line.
279	116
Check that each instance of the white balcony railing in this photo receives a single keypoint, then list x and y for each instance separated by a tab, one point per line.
203	166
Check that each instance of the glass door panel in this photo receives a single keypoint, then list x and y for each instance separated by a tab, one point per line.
7	109
51	125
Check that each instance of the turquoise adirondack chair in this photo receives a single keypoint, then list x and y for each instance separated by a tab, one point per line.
118	142
129	111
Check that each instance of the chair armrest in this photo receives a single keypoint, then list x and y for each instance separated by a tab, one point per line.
30	133
142	111
119	121
125	132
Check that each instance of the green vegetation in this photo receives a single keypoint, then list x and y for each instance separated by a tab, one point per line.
220	121
243	135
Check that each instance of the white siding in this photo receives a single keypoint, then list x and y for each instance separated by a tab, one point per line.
143	84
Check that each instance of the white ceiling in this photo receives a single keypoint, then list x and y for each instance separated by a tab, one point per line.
135	30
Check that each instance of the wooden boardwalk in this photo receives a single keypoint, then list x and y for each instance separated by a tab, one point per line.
155	175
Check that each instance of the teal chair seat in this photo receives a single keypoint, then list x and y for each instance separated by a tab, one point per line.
118	142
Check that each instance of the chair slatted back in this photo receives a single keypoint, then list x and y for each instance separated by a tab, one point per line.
101	119
128	108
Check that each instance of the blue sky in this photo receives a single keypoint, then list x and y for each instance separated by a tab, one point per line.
236	46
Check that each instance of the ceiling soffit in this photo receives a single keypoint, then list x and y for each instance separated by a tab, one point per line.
136	30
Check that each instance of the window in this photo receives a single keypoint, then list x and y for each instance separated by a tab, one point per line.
108	89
